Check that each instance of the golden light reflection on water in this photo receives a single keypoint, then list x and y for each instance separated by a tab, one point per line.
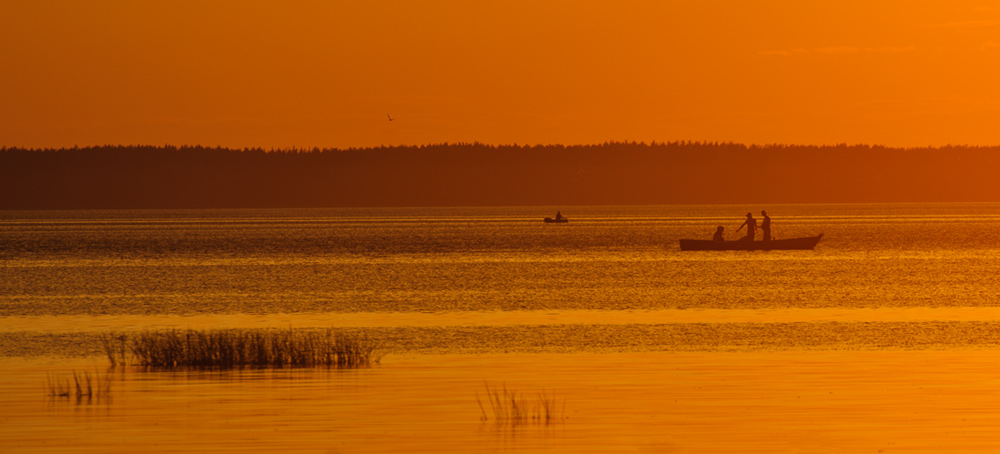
70	323
883	338
641	402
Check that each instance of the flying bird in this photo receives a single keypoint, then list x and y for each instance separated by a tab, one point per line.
390	118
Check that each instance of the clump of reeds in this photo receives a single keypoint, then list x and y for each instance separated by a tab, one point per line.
242	348
95	387
511	407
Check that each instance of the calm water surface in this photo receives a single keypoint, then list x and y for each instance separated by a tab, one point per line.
884	337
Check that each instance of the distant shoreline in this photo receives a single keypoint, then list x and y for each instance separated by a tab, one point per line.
613	173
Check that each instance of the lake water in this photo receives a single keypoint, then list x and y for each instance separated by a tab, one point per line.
885	337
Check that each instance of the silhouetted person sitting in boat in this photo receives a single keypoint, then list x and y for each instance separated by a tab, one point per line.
751	225
765	225
559	216
718	234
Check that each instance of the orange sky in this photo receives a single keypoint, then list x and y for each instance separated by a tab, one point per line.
325	73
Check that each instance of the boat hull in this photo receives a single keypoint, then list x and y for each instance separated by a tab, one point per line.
773	245
556	221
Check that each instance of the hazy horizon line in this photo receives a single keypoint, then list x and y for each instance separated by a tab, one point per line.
652	143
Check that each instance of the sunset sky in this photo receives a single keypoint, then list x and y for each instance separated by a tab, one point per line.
326	73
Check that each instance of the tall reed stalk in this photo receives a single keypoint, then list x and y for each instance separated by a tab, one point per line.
242	348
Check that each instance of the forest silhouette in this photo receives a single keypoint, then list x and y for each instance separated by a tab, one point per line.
613	173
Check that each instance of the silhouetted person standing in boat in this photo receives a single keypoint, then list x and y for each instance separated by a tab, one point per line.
765	225
751	225
559	215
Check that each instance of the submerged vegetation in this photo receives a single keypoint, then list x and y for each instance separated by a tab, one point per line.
241	348
84	386
514	408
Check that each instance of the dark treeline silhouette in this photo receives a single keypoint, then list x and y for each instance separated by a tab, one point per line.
477	174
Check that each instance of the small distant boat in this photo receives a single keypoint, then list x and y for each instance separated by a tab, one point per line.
773	245
556	221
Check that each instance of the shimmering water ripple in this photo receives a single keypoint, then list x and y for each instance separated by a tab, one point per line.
882	339
74	271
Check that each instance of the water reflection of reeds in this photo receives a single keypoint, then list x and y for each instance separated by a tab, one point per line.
83	388
241	348
514	408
